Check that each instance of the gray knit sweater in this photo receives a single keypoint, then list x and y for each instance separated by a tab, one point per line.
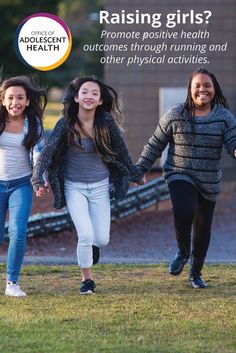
53	159
196	160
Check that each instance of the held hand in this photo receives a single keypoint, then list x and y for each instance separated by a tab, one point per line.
41	191
235	153
142	181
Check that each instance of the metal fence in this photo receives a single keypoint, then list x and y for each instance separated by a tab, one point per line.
137	199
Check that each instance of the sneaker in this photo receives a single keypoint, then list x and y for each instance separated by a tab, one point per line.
197	282
87	287
13	290
96	254
177	264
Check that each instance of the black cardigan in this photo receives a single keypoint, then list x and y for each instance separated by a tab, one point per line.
122	170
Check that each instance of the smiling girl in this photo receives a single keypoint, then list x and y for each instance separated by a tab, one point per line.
196	132
21	111
87	163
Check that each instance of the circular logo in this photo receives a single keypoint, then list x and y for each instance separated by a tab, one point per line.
42	41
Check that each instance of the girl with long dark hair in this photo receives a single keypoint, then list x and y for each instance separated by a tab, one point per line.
196	132
87	163
21	140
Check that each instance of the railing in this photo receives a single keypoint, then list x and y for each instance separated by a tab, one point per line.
137	199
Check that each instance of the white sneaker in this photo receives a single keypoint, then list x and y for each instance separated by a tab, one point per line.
13	290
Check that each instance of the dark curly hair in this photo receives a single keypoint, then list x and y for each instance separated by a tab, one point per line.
188	111
34	111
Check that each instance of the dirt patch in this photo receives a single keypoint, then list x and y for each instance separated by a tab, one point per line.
148	235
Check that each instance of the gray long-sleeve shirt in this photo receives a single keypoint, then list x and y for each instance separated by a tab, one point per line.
198	159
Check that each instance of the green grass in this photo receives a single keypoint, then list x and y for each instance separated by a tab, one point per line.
51	115
136	309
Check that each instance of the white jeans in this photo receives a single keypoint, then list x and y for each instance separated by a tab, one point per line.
89	207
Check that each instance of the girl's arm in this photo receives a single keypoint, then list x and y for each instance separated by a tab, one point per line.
156	144
45	158
121	150
229	137
37	149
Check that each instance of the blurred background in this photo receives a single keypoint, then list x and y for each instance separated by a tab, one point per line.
146	91
78	15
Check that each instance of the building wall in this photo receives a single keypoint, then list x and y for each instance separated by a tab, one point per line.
139	87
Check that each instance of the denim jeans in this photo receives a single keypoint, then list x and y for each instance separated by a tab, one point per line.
89	207
15	196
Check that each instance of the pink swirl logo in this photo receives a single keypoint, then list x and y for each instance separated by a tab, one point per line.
42	41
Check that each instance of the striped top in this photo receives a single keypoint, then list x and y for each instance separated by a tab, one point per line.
198	159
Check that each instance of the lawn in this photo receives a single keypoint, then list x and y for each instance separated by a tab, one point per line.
51	115
136	309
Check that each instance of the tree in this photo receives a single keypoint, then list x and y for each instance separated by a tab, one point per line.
78	15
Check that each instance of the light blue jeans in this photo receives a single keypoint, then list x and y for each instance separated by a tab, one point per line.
89	207
15	196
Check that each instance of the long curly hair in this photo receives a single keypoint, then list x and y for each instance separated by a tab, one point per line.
34	111
188	111
109	104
